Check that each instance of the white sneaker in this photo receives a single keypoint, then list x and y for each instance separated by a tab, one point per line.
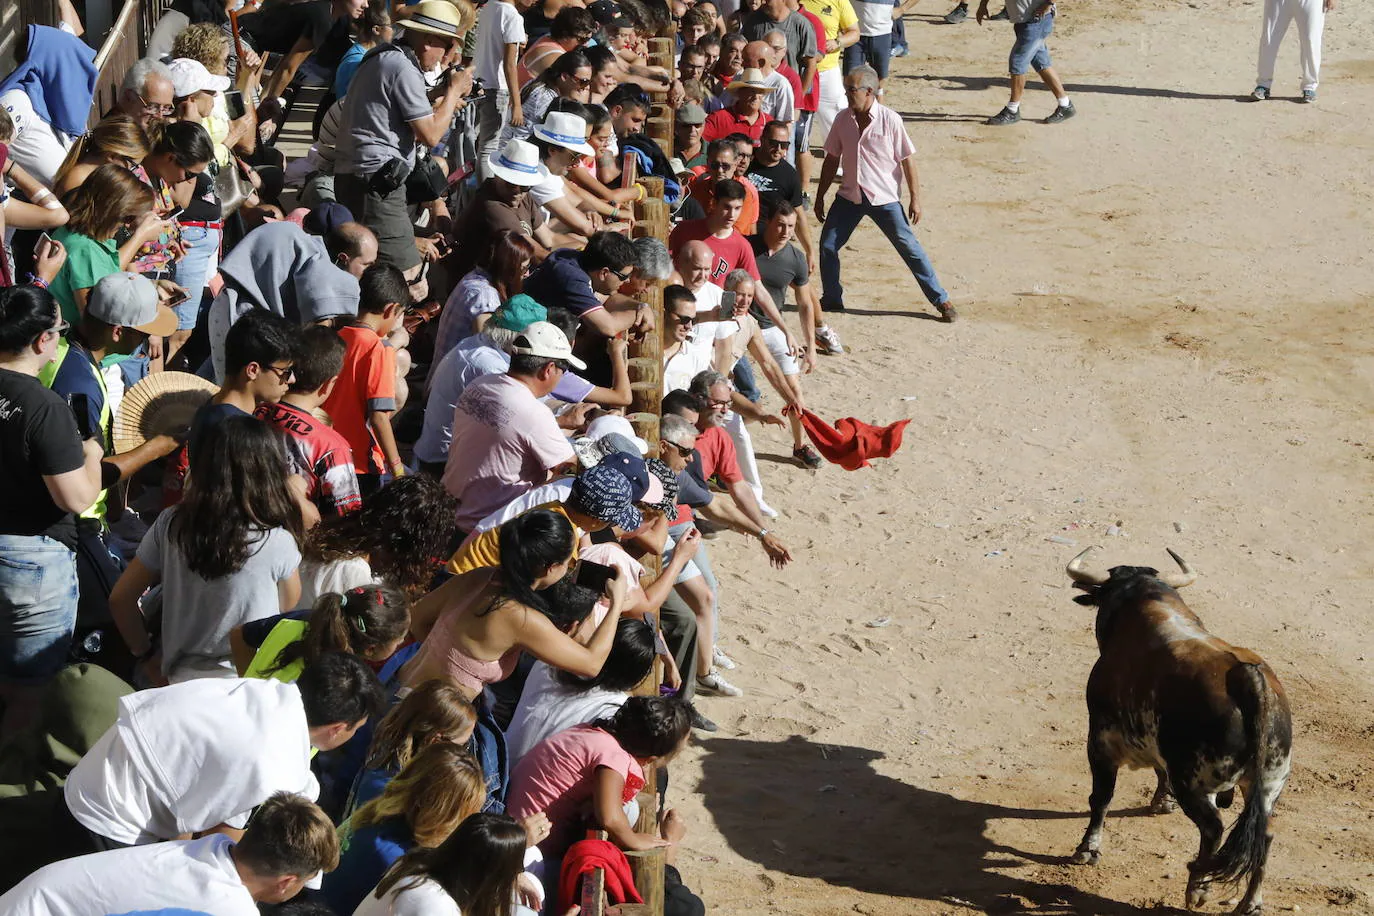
830	340
721	660
767	509
715	685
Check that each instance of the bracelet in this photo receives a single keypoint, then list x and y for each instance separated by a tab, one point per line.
615	213
35	280
641	192
763	533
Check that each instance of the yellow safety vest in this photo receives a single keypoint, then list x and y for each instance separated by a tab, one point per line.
47	375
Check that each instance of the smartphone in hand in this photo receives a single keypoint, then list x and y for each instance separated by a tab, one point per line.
43	242
594	575
80	405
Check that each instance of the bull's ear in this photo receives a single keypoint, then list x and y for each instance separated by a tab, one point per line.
1089	600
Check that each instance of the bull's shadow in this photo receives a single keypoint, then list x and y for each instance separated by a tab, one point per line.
876	834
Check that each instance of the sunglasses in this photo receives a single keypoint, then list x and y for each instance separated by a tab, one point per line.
682	450
581	82
782	143
719	166
623	276
685	320
285	374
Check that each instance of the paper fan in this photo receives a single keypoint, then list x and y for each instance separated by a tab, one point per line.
163	403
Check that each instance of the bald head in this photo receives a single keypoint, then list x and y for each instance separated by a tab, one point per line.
758	54
694	260
353	247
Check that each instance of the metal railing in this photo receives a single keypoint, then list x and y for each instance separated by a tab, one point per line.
124	45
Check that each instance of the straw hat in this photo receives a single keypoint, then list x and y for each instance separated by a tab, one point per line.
434	17
163	403
749	79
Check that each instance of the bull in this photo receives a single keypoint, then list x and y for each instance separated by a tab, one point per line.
1206	716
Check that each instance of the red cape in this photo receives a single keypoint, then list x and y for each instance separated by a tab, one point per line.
850	442
588	854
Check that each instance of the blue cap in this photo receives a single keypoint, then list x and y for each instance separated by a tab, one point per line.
327	217
604	493
647	489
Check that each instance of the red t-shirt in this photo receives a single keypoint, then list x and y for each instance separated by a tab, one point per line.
725	122
367	383
732	252
715	457
320	455
794	80
812	100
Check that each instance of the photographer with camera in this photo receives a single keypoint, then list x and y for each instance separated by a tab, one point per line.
387	113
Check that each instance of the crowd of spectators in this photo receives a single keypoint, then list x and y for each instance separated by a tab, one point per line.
368	627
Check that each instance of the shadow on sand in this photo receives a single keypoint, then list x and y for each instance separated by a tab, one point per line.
822	811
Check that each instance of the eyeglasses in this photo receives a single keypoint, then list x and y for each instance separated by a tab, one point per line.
581	82
682	450
720	165
855	90
60	328
165	111
285	374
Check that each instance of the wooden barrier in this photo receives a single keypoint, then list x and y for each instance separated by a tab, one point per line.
125	44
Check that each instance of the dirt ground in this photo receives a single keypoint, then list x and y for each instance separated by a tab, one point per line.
1161	327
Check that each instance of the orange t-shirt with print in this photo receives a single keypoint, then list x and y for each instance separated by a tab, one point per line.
366	383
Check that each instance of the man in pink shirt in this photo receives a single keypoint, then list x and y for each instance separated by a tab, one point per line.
869	140
505	441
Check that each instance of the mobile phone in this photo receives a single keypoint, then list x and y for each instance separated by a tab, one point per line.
233	104
81	411
594	575
175	214
42	245
727	302
177	299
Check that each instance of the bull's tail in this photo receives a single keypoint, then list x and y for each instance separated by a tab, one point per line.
1247	846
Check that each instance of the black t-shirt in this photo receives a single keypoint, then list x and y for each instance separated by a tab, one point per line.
204	206
778	272
278	27
207	418
780	182
38	439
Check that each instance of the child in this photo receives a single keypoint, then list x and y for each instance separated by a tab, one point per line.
317	453
364	396
500	36
259	359
590	772
369	621
226	555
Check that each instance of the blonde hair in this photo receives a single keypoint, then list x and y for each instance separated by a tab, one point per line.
117	135
100	204
204	42
435	710
434	793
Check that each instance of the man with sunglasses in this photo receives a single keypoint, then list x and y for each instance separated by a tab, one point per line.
772	172
586	282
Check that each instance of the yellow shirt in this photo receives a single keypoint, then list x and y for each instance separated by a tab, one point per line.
836	16
484	549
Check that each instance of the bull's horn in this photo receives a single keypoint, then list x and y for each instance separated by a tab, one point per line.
1083	576
1182	579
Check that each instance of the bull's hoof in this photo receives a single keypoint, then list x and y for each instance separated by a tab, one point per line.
1164	805
1086	857
1197	894
1224	799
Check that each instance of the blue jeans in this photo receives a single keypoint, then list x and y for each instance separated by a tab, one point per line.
1030	51
745	383
38	597
840	222
192	272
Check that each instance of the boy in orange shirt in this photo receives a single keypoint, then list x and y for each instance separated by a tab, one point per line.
364	398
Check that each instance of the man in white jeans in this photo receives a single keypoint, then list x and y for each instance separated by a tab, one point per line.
1278	14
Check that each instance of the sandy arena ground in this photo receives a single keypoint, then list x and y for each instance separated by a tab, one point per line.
1162	326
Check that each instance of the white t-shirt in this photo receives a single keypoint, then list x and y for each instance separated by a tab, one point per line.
683	366
184	758
499	24
549	189
548	706
426	898
196	875
37	147
556	491
875	17
337	577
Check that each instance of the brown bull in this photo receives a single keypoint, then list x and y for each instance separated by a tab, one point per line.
1206	716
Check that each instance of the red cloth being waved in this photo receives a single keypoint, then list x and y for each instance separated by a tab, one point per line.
586	855
850	442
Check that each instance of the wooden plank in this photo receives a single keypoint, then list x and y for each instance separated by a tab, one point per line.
647	867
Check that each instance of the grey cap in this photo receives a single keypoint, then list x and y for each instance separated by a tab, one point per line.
131	301
691	113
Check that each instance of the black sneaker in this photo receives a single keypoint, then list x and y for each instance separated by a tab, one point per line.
1000	17
701	723
1002	118
1061	114
832	306
957	15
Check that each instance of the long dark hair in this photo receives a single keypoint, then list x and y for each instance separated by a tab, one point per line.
186	141
530	544
404	529
26	313
236	493
650	726
363	618
477	865
630	661
566	64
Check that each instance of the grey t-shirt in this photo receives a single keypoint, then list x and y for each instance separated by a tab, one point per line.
197	613
1022	10
801	38
387	93
778	272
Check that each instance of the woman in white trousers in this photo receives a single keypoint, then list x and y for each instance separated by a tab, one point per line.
1278	15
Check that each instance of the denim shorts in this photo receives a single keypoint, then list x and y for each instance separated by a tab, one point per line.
874	50
38	598
1030	51
194	270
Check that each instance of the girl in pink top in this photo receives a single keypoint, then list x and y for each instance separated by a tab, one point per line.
476	625
585	775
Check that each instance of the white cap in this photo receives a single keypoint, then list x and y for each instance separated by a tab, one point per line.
190	76
544	339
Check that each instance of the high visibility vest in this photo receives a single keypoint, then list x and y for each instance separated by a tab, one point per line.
47	375
282	635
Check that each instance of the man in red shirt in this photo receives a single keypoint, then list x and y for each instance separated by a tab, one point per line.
718	231
745	113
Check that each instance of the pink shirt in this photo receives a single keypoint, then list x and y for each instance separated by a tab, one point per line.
558	777
871	157
504	444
